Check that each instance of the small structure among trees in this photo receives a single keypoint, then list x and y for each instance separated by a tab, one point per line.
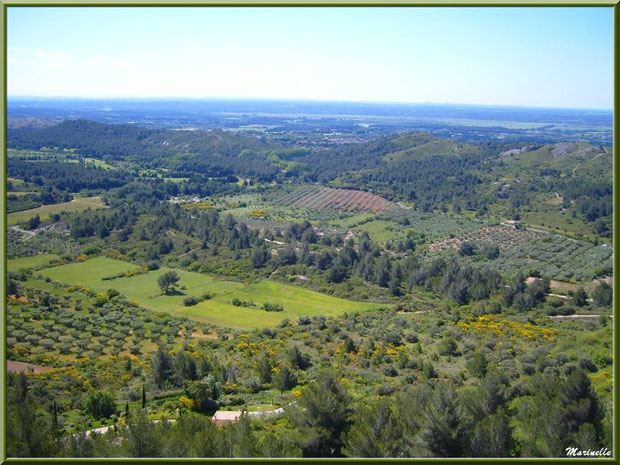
222	416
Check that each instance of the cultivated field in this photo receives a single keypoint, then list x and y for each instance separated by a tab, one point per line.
433	225
76	205
558	257
550	254
323	198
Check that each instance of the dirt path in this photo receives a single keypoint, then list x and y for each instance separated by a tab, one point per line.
105	429
23	231
578	317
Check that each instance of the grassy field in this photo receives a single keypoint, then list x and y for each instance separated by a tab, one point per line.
296	302
99	163
144	289
76	205
15	264
219	309
379	230
89	272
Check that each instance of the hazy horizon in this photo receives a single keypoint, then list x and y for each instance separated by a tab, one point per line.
293	100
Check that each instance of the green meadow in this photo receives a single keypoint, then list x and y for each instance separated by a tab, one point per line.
144	290
295	300
15	264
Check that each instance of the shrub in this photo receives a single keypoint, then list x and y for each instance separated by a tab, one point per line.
477	365
602	358
385	390
100	403
112	293
269	307
602	295
393	337
187	403
253	384
447	346
190	301
429	371
135	349
390	371
468	248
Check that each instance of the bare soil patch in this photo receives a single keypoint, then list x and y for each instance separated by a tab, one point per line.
18	367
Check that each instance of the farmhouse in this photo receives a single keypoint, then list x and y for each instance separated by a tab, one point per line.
222	416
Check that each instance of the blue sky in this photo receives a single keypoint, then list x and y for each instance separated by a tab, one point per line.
553	57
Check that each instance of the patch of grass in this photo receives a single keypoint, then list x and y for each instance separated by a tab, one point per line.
295	300
145	290
179	180
352	221
89	273
99	163
379	230
15	264
76	205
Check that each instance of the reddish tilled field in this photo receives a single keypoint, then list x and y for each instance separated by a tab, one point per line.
323	198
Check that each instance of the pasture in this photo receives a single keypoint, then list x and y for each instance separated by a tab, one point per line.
144	290
89	273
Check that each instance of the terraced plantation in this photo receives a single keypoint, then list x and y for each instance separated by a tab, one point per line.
553	255
507	236
323	198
